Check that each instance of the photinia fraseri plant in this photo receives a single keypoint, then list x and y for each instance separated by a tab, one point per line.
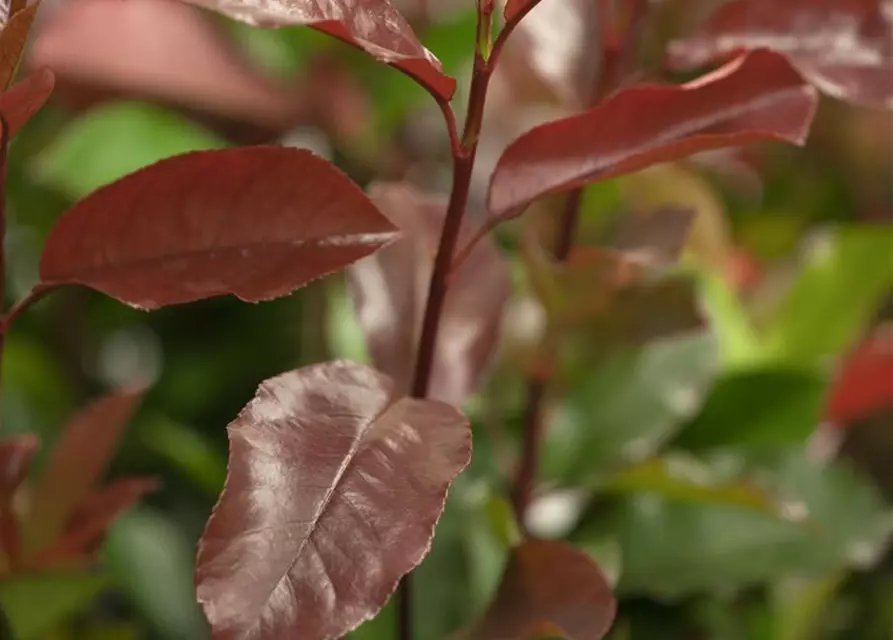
338	472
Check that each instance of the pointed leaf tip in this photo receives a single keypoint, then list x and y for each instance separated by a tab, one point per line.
255	222
334	487
757	97
373	26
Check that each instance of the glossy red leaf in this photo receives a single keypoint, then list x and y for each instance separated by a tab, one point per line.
26	98
77	463
845	47
864	385
753	98
390	289
13	37
90	521
159	49
549	584
335	484
374	26
255	222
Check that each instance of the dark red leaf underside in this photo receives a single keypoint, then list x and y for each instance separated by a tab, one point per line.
76	464
335	484
374	26
26	98
390	289
845	47
756	97
549	584
864	385
90	521
255	222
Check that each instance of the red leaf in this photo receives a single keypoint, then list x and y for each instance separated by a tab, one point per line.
335	485
89	523
26	98
77	463
756	97
549	583
159	49
865	382
371	25
256	222
15	458
13	37
844	47
390	289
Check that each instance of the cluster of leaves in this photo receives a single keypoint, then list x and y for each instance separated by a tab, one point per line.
339	471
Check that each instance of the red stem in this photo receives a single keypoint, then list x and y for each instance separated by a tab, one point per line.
464	153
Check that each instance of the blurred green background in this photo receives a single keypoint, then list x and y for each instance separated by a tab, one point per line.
649	444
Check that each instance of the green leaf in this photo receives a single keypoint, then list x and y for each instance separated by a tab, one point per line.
681	478
152	560
628	406
758	408
35	604
112	141
841	284
187	450
676	549
739	342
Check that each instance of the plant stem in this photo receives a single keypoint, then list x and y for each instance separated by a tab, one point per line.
525	478
618	59
464	153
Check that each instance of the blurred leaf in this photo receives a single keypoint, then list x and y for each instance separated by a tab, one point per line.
675	549
863	385
390	291
186	228
627	405
110	141
76	464
343	331
31	370
13	36
188	451
852	60
739	343
373	468
650	124
547	581
675	184
654	237
35	603
89	522
839	288
151	560
759	408
677	478
801	607
26	98
16	453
